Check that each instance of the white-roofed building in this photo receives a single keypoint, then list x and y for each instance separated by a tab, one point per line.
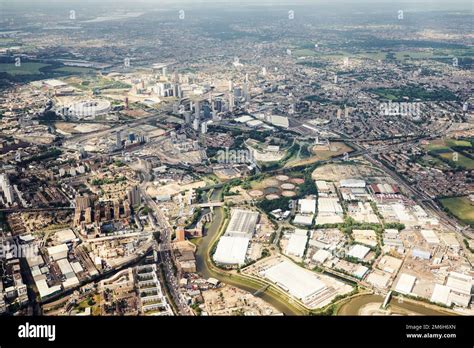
58	252
254	123
328	219
405	284
242	223
76	267
299	282
430	236
441	294
321	256
307	206
305	220
461	288
280	121
54	83
43	288
352	183
322	186
65	236
66	268
296	245
231	250
358	251
360	271
244	119
329	205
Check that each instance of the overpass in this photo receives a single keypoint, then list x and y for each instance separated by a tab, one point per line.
211	204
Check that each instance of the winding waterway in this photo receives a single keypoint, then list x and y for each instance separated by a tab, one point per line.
352	307
206	272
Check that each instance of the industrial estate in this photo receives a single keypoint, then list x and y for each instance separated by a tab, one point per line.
236	160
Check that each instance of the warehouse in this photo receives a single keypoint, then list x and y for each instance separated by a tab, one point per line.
323	219
279	121
441	294
242	223
231	250
65	236
306	220
300	283
329	205
430	236
321	256
358	251
68	273
352	183
405	284
421	254
461	287
58	252
456	291
43	288
307	206
297	244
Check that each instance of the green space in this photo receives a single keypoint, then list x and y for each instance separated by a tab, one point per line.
457	153
26	68
460	207
459	143
461	161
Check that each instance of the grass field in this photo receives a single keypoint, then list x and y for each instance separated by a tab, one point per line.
462	160
320	153
461	143
461	207
443	149
24	69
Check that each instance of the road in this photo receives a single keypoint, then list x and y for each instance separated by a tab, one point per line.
420	197
166	254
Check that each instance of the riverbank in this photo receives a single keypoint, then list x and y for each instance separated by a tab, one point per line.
358	305
207	269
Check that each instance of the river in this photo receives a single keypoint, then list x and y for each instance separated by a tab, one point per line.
353	306
204	270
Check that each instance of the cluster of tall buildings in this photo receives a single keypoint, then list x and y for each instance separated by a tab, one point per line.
6	189
89	210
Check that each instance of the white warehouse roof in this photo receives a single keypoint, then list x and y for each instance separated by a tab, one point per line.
296	245
352	183
242	223
231	250
299	282
321	255
307	206
303	219
430	236
329	205
441	295
405	284
358	251
58	251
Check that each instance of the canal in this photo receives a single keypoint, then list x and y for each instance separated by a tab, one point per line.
204	269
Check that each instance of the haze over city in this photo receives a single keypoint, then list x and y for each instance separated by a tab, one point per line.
229	158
